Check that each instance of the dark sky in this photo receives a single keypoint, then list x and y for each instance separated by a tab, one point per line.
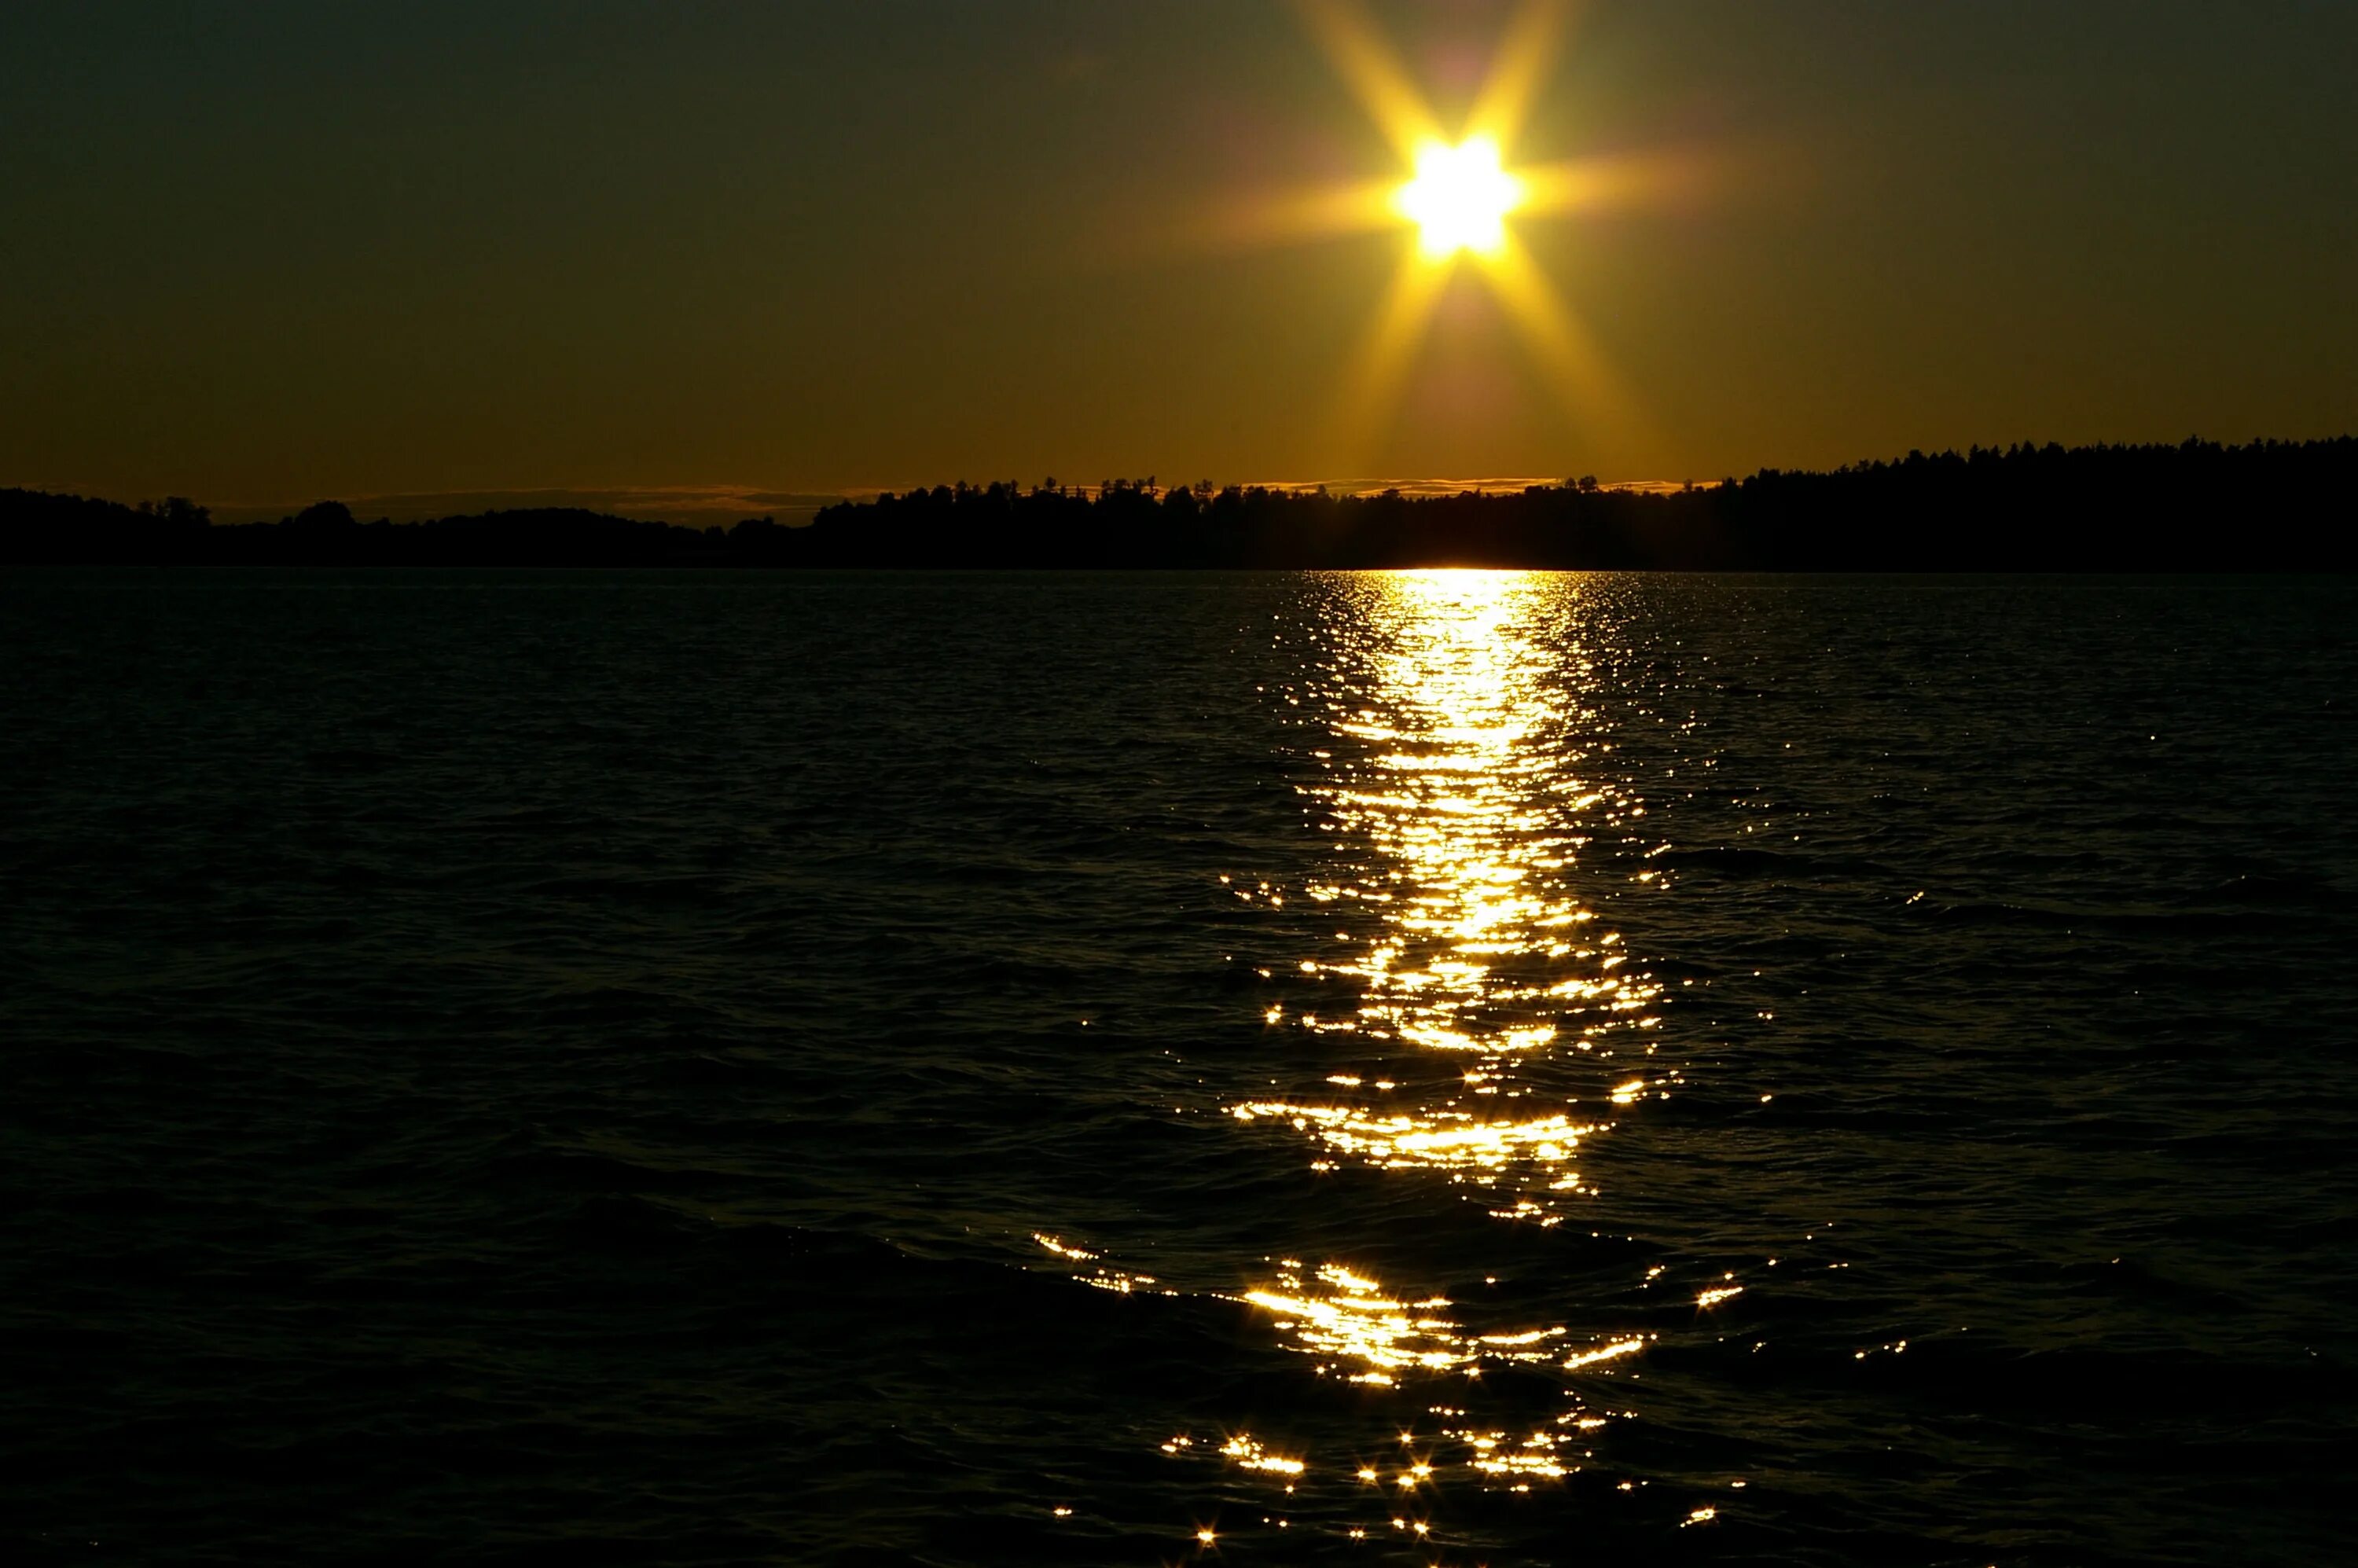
261	253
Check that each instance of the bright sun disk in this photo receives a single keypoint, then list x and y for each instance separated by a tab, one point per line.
1460	198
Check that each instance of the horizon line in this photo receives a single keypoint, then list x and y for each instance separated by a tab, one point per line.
703	504
706	504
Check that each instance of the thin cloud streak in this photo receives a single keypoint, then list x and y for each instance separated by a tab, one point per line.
699	506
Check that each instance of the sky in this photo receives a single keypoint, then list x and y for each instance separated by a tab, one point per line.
684	259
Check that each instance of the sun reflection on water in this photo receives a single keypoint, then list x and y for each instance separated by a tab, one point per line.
1450	1008
1469	1005
1462	780
1364	1334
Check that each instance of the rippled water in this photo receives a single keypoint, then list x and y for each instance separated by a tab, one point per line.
1447	1067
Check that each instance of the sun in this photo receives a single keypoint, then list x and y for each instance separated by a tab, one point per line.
1467	204
1460	198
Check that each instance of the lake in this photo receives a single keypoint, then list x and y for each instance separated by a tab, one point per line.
1260	1068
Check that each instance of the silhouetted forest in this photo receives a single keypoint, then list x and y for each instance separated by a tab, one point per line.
2199	506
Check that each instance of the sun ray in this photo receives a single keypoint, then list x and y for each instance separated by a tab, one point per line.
1308	214
1620	181
1530	48
1371	388
1299	216
1365	60
1575	366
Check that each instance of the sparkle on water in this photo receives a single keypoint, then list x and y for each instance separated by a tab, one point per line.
1360	1332
1461	786
1472	805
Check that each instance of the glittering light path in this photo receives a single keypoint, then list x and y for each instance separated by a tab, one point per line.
1475	1025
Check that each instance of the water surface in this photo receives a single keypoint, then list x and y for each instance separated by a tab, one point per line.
1430	1067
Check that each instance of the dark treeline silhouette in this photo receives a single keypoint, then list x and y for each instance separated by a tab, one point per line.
2271	505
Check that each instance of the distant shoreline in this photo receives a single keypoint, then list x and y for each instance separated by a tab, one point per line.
2196	506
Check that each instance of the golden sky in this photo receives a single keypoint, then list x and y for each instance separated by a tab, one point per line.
738	254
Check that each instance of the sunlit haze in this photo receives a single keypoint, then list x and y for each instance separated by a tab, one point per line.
710	260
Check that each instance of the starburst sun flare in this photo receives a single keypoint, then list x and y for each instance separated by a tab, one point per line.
1460	196
1458	191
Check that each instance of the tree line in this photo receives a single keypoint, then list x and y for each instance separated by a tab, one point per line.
2195	506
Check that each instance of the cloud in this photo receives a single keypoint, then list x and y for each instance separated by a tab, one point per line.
698	505
1495	485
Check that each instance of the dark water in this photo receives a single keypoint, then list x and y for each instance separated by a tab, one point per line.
643	1069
